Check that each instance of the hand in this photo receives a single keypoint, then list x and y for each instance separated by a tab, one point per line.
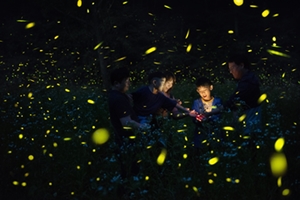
193	113
179	101
200	117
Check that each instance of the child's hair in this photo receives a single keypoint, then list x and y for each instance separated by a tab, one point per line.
239	59
169	76
203	81
118	75
155	75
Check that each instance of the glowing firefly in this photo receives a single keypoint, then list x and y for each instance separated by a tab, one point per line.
187	34
213	161
238	2
79	3
189	47
152	49
262	98
162	156
265	13
168	7
30	25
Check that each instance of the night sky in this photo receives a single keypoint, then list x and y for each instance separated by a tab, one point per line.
34	8
216	17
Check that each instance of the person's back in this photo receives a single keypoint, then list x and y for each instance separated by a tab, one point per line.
119	106
121	112
124	121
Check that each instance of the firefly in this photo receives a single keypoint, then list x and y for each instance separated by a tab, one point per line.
238	2
150	50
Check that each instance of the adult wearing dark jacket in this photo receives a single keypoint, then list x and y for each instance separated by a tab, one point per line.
246	95
121	112
123	120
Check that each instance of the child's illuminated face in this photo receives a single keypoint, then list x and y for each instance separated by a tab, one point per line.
205	92
168	84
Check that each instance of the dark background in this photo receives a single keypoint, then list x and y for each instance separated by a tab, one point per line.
208	22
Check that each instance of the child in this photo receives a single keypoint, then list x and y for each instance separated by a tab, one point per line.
209	108
168	86
122	115
149	99
167	91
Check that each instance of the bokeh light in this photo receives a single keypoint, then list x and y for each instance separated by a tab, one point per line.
213	161
100	136
79	3
278	164
30	157
238	2
285	192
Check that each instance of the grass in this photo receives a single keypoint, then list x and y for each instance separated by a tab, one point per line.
55	125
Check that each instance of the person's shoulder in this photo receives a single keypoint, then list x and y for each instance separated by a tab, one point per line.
114	95
217	100
141	89
197	100
250	77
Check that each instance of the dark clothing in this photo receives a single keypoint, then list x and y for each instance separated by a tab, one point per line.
199	107
247	91
246	97
203	130
119	107
165	113
145	103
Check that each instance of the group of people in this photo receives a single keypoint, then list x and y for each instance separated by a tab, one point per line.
138	109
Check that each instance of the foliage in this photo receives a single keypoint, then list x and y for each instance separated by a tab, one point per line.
55	126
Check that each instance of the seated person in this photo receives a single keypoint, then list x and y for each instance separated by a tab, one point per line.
167	91
123	118
246	95
148	99
168	86
121	112
209	108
